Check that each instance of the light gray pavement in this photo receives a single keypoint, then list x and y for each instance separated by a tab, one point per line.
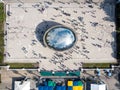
94	44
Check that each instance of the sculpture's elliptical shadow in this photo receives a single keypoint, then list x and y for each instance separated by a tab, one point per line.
42	28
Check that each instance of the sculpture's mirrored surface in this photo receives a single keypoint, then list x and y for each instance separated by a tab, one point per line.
60	38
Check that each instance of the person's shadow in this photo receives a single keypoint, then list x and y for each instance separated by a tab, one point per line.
42	28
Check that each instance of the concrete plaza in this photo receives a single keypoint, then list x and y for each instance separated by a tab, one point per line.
93	24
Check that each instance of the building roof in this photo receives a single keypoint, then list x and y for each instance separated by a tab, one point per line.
98	87
25	85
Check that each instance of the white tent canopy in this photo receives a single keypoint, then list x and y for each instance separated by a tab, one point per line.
98	87
22	86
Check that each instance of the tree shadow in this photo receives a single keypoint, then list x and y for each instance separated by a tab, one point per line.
119	77
32	72
113	45
16	72
117	85
107	6
116	73
42	28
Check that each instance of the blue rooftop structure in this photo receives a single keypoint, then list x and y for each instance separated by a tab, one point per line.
70	88
59	38
75	83
70	85
45	88
60	88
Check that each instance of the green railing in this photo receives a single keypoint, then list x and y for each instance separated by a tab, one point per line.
60	73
